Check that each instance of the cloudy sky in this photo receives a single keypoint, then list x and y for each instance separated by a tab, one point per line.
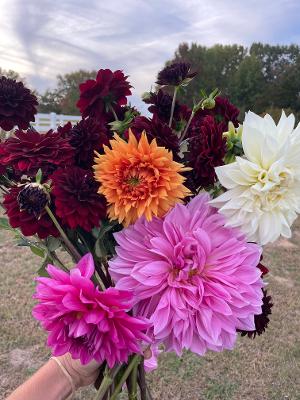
43	38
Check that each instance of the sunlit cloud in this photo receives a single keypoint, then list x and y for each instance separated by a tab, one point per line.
43	38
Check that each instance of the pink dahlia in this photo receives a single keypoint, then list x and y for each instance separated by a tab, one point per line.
195	279
82	320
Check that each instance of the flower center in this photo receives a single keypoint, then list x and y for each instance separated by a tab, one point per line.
133	181
271	188
189	260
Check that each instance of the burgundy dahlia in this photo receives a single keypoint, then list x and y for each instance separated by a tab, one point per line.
27	220
262	320
175	74
17	104
33	198
224	111
28	151
158	130
76	199
85	137
99	95
206	151
160	105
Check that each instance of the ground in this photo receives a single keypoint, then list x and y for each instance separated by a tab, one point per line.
267	368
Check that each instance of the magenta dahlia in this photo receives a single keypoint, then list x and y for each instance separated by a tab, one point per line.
28	151
84	321
206	150
99	95
85	137
195	279
76	199
17	104
25	210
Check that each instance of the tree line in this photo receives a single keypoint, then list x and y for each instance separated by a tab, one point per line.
262	77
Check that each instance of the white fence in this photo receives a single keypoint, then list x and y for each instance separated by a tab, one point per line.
44	122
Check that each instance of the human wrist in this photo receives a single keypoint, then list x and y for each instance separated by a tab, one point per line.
64	382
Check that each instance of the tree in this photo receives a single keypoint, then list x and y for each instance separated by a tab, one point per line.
62	100
263	77
11	74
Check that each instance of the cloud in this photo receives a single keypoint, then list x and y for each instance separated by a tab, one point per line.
43	38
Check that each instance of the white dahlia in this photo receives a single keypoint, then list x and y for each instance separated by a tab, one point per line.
263	188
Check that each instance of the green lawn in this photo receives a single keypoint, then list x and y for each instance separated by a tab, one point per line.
267	368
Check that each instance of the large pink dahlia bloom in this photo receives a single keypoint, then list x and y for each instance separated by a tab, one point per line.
84	321
194	278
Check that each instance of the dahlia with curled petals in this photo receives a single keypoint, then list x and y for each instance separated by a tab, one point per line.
27	152
175	74
206	150
85	137
160	105
195	279
155	129
84	321
76	199
99	95
25	217
139	178
17	104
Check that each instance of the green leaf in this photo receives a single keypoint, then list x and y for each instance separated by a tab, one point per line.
38	177
4	224
52	243
37	251
42	270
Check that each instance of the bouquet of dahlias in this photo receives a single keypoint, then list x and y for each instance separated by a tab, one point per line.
163	217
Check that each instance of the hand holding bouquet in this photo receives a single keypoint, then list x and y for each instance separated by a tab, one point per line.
163	217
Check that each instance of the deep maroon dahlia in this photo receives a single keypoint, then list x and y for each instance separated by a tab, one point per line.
27	221
175	74
28	151
206	151
108	89
262	320
76	199
85	137
17	104
224	111
160	105
33	198
158	130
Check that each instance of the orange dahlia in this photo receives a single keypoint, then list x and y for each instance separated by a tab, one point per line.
139	178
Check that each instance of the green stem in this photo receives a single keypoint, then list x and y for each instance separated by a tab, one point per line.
107	380
142	380
133	383
187	126
65	238
134	362
114	113
173	105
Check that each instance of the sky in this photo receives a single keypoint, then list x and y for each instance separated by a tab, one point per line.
43	38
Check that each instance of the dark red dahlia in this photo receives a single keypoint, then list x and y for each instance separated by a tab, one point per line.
206	151
33	198
160	105
27	220
175	74
158	130
64	130
85	137
98	96
28	151
17	104
76	199
224	111
262	320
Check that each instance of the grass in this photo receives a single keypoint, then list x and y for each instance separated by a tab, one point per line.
267	368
